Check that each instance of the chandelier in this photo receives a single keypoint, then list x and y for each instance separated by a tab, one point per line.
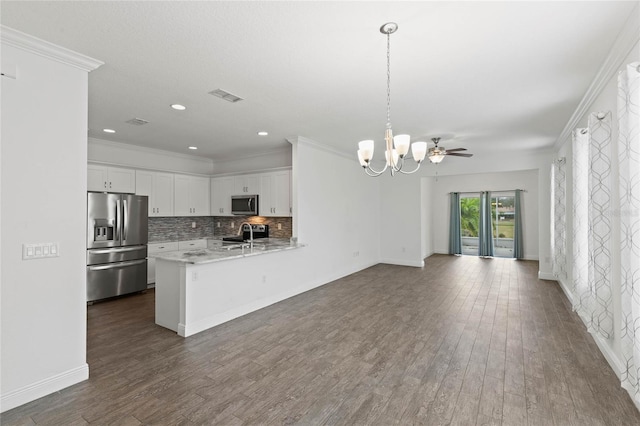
397	147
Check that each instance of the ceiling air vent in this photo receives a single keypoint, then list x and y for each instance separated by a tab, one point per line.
137	121
225	95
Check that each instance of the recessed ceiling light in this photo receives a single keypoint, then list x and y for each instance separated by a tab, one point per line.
193	147
263	133
108	130
178	107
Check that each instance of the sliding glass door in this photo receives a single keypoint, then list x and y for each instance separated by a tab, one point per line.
503	218
470	223
502	222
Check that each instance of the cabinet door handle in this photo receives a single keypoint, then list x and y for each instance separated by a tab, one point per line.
109	185
105	184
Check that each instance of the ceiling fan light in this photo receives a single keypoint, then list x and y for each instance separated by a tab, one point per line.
401	143
435	158
419	150
367	149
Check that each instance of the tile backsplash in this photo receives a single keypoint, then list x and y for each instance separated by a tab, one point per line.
180	228
225	222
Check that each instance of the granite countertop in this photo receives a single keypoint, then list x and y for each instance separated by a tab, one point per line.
217	251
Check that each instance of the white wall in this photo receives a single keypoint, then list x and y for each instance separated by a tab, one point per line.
336	212
44	184
428	225
526	180
401	225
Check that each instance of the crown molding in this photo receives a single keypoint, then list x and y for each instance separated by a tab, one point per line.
144	149
626	40
26	42
306	141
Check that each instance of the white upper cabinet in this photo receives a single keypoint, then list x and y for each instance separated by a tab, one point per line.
275	194
110	179
221	190
158	187
191	196
246	184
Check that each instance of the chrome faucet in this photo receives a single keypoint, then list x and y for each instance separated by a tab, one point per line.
241	230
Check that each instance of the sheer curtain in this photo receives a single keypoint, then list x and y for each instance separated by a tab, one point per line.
518	250
580	167
629	160
592	185
486	229
600	227
558	218
455	237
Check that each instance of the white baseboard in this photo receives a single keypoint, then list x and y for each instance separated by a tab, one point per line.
404	262
44	387
546	276
612	358
565	290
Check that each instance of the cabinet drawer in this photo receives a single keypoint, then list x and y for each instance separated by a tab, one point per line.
192	244
161	247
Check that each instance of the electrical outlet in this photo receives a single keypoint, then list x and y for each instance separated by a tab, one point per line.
279	226
194	276
264	279
404	249
218	224
193	224
233	225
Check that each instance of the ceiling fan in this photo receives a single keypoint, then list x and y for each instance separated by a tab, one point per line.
437	154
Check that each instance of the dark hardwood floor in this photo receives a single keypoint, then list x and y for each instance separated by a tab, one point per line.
463	341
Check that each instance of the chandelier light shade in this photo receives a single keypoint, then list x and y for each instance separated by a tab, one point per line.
397	147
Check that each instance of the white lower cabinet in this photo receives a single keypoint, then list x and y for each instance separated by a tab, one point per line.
151	262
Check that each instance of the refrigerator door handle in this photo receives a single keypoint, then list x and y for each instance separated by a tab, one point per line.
116	249
125	225
116	265
118	220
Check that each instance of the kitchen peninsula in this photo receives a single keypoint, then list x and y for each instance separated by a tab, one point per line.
199	289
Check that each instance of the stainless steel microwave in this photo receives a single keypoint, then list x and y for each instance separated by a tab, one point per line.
246	205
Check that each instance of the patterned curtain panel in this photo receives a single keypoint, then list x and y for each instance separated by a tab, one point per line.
629	214
600	187
558	218
485	235
455	236
580	167
518	246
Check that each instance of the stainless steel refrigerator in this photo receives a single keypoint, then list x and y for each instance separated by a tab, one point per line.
117	236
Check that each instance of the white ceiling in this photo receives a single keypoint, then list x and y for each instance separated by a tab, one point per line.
486	75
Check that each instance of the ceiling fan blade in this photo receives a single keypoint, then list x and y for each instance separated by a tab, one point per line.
456	154
456	149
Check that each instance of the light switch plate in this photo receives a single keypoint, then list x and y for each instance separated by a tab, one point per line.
40	250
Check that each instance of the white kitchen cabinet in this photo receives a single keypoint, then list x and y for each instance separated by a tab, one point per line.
246	184
191	195
221	192
158	187
110	179
151	262
275	194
